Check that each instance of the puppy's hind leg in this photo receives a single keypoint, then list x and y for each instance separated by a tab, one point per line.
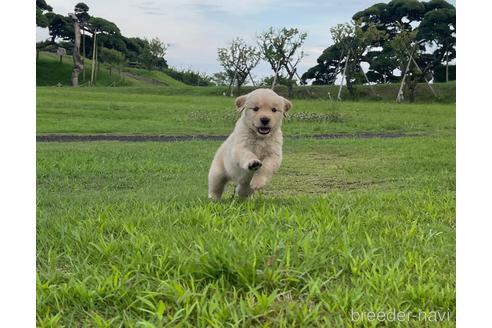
216	184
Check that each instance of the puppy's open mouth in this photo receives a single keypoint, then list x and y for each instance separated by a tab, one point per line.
263	130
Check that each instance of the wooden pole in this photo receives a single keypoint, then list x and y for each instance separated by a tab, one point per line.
93	68
367	79
447	66
252	81
337	70
83	54
399	97
343	77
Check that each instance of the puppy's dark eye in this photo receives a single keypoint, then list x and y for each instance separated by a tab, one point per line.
274	110
256	109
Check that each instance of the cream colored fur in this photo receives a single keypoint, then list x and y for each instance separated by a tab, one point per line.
249	158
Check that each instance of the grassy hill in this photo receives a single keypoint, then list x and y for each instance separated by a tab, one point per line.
50	72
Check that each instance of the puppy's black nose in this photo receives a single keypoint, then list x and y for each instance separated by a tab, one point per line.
265	120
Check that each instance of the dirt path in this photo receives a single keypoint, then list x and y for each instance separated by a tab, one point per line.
164	138
144	78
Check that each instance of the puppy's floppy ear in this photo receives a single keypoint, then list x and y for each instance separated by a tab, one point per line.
240	101
287	105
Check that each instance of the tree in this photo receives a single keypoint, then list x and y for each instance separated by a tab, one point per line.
78	66
111	57
41	19
354	41
134	48
153	52
438	29
281	80
60	27
281	48
82	13
444	73
405	46
220	79
327	69
189	76
426	28
238	60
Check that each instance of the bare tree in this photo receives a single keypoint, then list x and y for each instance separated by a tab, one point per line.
355	40
238	60
281	48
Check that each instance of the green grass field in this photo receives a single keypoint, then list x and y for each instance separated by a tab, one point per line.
126	236
162	111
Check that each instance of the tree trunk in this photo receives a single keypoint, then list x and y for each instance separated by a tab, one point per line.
238	89
350	88
291	83
412	89
77	61
98	65
274	80
368	82
277	68
231	84
83	55
290	88
230	87
93	67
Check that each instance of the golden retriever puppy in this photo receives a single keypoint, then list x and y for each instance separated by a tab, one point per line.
253	152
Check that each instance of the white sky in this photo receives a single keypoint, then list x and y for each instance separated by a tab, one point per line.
195	29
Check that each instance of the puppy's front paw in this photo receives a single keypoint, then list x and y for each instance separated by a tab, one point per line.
254	164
